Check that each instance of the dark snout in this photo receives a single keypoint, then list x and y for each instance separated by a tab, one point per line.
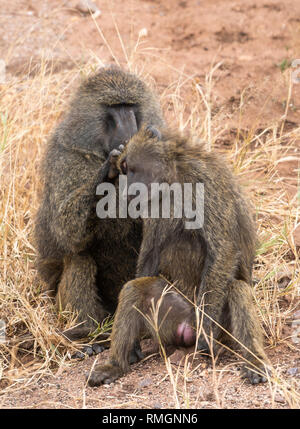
124	122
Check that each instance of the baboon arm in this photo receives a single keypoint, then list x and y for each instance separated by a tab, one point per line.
73	199
149	269
213	292
148	263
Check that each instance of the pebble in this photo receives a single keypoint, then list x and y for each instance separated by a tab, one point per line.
207	394
293	371
279	398
204	404
88	351
97	348
78	355
297	315
145	382
295	337
87	6
177	358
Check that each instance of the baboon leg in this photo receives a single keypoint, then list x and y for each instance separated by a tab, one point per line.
127	330
77	291
212	295
211	302
245	327
175	320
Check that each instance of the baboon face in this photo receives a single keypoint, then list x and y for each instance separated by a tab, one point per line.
121	123
143	163
138	172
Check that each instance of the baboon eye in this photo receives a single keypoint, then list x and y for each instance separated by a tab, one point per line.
124	167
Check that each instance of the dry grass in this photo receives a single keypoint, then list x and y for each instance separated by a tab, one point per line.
29	109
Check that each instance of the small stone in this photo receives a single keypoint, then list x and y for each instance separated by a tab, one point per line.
204	404
279	398
297	315
206	394
283	280
157	405
295	337
178	357
88	6
128	387
293	371
78	355
145	382
143	32
89	351
97	348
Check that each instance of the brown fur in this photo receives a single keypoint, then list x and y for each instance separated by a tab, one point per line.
213	264
85	260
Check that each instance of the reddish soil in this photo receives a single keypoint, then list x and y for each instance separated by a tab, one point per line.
148	386
252	38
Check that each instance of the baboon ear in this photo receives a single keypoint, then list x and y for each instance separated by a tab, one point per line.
153	132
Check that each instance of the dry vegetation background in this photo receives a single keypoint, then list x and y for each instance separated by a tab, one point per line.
222	70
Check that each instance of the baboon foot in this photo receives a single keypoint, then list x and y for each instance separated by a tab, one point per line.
202	346
104	374
255	375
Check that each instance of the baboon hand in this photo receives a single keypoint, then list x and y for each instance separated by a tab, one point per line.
113	156
104	374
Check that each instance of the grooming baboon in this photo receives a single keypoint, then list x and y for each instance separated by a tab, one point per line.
83	259
212	264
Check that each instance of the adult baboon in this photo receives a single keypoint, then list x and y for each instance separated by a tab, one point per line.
212	263
83	259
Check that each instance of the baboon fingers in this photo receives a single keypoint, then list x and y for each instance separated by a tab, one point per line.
85	351
255	375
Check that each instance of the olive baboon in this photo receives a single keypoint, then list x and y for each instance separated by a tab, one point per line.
83	259
212	263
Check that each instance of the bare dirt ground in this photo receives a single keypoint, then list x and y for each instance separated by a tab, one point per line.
148	385
253	42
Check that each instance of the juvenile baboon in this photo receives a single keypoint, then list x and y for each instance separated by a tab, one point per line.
212	264
83	259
